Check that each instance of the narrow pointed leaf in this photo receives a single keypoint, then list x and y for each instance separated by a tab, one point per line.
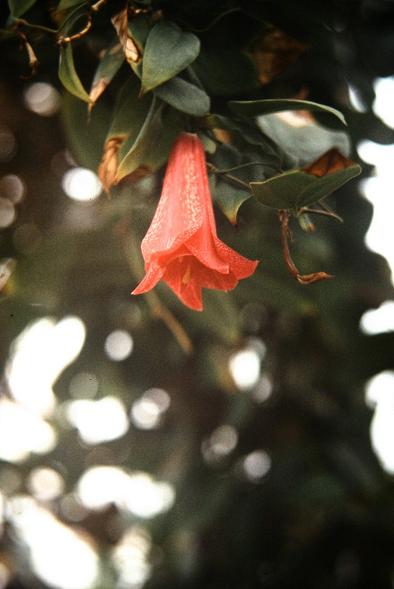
297	188
184	96
254	108
19	7
168	51
68	75
106	71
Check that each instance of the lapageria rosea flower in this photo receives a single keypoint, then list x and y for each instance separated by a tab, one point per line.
181	246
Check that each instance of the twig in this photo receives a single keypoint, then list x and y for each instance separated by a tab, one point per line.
79	35
230	177
29	25
326	213
33	61
284	217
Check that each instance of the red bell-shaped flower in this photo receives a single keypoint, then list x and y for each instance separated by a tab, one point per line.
181	246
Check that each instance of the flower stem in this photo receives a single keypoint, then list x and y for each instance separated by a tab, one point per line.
229	177
155	305
284	218
326	213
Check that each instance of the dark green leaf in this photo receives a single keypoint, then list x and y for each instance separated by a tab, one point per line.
68	75
168	51
228	196
184	97
254	108
225	70
297	188
85	138
106	71
152	146
19	7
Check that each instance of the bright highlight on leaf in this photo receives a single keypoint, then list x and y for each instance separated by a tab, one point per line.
301	188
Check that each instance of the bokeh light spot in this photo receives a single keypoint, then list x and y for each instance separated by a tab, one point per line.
12	187
81	184
42	98
7	212
119	345
256	465
98	421
45	484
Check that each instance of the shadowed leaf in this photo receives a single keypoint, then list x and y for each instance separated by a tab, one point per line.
68	75
184	97
168	51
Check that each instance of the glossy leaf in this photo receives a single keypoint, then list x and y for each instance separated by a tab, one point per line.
19	7
254	108
184	96
106	71
297	188
68	74
168	51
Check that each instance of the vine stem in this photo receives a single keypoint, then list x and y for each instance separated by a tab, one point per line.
230	177
284	218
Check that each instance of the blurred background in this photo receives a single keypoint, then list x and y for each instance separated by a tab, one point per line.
145	445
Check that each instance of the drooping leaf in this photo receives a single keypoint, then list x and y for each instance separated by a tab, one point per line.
85	138
152	147
130	115
68	74
168	51
184	96
106	71
254	108
131	51
301	188
19	7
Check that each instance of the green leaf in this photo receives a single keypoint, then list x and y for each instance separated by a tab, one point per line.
68	75
19	7
184	96
152	146
228	196
168	51
225	70
106	71
130	113
67	4
85	138
254	108
296	188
